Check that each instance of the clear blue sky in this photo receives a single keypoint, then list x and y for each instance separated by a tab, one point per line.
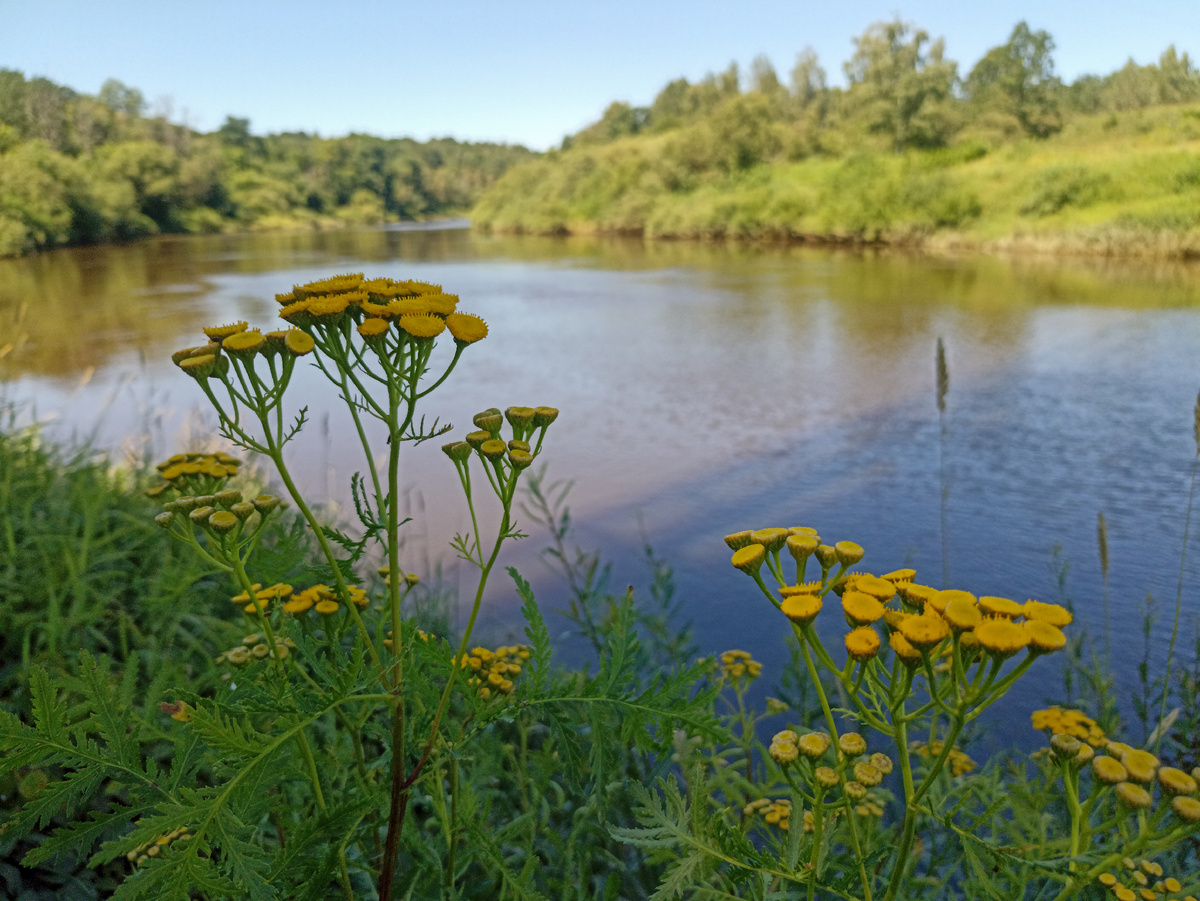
524	72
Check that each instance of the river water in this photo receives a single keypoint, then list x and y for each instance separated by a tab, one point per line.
709	388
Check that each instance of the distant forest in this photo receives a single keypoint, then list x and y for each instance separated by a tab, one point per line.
81	169
912	145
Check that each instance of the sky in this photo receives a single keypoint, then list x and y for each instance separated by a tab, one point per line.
517	72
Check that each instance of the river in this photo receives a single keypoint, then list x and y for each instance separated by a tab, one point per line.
709	388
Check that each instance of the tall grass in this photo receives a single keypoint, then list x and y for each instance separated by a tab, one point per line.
82	568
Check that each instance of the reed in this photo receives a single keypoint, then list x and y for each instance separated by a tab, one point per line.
1187	521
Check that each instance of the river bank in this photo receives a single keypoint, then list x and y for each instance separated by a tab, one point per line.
1119	185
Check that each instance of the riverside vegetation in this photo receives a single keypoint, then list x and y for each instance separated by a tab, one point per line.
1005	156
327	734
81	169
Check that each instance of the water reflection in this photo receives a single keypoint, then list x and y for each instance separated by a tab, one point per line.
709	388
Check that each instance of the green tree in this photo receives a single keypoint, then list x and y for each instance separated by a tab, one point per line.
901	88
12	101
152	172
619	119
808	78
1017	79
763	78
121	98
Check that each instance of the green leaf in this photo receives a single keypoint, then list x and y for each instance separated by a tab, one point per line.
536	632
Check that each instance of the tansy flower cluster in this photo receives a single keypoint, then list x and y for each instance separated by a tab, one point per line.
211	360
195	473
1133	775
493	672
255	647
917	619
1142	880
224	516
959	761
1057	721
142	853
738	665
319	597
776	813
849	770
385	312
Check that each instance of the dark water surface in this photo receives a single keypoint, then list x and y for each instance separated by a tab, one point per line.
706	389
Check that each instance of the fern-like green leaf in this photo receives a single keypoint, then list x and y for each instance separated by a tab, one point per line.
536	632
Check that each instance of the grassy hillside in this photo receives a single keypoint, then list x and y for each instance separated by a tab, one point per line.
1127	181
910	151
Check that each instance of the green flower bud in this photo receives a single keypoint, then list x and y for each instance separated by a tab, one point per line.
826	777
228	497
243	510
520	418
493	448
265	503
458	451
164	519
852	744
543	416
200	515
475	439
223	522
519	459
826	555
489	420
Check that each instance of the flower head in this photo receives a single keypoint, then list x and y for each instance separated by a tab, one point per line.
1044	638
861	609
422	325
862	643
880	589
1053	614
925	631
993	606
801	609
749	558
466	327
961	613
219	332
1175	781
1001	637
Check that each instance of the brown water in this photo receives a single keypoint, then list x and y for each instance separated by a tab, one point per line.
705	389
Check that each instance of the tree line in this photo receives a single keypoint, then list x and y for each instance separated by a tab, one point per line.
899	147
79	169
902	90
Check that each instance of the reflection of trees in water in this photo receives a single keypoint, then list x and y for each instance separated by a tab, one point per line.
65	311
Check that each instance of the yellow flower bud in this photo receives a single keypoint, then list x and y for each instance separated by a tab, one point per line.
813	745
223	522
862	643
826	777
771	539
1175	781
750	558
1186	808
1109	770
493	448
848	553
852	744
826	555
867	774
1133	796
